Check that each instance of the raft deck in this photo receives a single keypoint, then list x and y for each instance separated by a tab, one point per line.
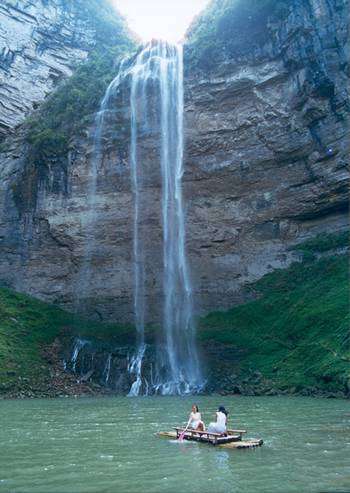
233	438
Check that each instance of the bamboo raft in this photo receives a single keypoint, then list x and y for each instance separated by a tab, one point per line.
232	439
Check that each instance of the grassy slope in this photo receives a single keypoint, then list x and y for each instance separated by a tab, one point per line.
28	325
297	332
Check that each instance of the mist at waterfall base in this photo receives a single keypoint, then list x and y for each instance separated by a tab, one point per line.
155	78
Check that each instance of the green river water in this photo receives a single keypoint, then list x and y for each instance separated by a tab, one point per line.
108	445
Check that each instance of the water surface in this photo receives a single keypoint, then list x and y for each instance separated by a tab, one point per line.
107	445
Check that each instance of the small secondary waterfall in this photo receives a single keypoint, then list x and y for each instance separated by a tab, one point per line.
160	64
89	223
107	369
79	344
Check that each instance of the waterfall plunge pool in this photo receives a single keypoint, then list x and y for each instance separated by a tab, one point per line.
107	445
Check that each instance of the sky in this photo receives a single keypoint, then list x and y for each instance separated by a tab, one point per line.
165	19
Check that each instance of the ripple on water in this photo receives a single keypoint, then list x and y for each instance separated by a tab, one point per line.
50	444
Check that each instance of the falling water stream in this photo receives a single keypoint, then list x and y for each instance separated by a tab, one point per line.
158	69
177	370
89	219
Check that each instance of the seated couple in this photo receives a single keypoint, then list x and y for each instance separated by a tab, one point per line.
219	426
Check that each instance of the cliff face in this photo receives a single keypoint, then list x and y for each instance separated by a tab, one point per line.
266	140
40	43
265	162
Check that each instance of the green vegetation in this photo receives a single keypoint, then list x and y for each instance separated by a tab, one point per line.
296	333
231	28
28	326
68	110
324	242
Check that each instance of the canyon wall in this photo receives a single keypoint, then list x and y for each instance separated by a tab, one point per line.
267	147
40	44
265	168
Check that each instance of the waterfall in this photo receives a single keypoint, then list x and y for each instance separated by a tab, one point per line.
140	75
107	369
89	220
79	344
177	370
135	369
156	72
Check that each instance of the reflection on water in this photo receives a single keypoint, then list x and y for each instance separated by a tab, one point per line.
107	445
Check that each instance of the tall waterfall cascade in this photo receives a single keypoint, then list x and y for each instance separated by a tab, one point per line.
155	81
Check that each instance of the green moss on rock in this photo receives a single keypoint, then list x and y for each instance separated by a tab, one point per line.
324	242
68	110
296	333
27	327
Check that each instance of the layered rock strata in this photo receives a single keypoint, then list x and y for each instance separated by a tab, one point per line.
40	44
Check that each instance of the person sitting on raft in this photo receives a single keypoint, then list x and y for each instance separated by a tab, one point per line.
195	421
221	421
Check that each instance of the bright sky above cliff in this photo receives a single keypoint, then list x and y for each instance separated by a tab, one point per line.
165	19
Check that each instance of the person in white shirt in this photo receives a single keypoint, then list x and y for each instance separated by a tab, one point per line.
220	426
195	420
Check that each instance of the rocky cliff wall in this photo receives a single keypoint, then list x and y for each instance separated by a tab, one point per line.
267	147
40	44
265	160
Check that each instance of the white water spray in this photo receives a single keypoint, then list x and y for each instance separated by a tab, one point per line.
107	369
79	344
177	369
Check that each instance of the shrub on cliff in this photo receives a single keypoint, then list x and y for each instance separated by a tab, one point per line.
66	111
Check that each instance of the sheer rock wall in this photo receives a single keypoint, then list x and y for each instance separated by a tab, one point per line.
40	43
